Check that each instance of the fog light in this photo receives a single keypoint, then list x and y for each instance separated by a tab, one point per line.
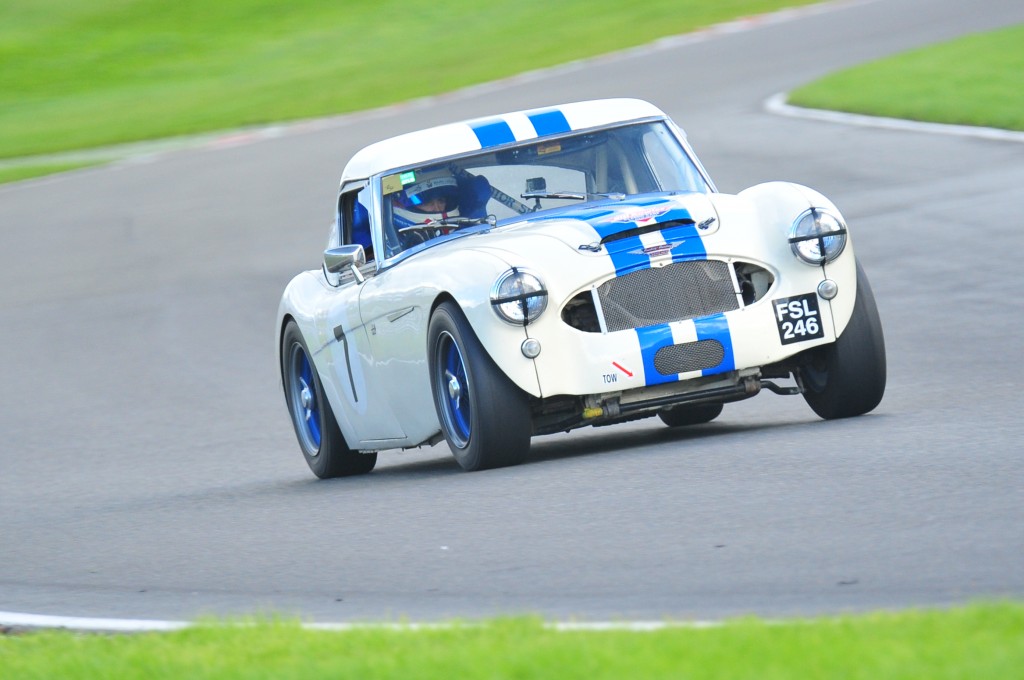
531	348
828	289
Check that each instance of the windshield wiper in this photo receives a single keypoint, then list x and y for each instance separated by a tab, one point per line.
461	222
573	195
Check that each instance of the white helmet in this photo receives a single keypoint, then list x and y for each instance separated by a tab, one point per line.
433	195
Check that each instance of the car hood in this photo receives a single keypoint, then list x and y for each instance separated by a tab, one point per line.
639	227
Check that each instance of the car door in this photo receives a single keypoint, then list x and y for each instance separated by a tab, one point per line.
395	308
353	364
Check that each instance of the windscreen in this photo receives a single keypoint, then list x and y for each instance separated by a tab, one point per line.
509	183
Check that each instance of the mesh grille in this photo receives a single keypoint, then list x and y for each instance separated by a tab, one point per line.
681	290
689	356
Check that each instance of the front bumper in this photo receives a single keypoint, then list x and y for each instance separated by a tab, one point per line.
789	318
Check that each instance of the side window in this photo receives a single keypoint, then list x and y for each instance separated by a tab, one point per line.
354	218
672	168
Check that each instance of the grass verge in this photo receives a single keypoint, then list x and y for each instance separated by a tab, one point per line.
978	641
87	73
16	173
975	80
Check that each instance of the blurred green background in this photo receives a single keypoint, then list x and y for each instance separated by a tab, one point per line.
77	74
975	80
85	73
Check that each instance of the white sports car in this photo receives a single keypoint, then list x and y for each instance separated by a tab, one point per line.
534	272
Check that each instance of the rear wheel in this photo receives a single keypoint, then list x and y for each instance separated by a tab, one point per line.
484	417
680	416
847	378
320	438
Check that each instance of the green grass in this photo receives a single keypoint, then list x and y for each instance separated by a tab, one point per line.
17	173
85	73
975	80
978	642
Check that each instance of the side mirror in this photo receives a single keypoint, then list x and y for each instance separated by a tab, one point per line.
341	258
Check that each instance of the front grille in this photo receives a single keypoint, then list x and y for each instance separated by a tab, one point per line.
681	290
689	356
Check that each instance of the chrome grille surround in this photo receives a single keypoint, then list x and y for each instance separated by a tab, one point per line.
677	291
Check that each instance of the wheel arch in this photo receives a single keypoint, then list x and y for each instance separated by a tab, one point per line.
281	326
501	341
483	414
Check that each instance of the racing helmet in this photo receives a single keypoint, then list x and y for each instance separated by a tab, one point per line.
430	192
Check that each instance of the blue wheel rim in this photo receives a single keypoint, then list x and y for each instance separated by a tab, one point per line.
454	392
312	412
302	393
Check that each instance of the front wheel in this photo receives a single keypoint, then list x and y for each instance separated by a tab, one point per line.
484	416
847	378
320	438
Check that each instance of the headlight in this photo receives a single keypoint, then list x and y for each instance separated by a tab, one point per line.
817	237
518	297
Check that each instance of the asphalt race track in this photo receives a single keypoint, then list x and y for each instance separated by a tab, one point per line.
149	470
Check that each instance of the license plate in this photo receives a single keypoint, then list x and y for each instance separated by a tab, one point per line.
798	318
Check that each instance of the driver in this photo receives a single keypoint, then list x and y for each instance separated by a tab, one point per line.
432	197
437	195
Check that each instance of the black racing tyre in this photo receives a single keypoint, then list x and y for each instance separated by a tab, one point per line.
484	416
696	414
847	378
320	438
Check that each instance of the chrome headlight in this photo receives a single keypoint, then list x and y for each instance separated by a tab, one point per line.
518	297
817	236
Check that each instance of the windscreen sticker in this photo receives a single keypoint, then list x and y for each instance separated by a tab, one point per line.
391	183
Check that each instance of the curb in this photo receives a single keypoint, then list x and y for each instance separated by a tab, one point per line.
15	621
777	104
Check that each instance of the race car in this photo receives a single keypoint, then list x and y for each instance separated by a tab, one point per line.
493	280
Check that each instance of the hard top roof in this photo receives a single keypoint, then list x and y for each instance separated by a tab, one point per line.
480	133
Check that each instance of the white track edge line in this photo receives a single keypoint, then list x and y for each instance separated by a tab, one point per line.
19	620
779	105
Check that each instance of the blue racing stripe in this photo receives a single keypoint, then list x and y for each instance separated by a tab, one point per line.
493	132
653	338
629	255
716	327
690	249
550	122
613	217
